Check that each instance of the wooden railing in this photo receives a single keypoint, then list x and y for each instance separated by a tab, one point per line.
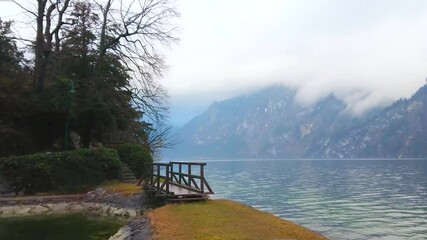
155	180
187	175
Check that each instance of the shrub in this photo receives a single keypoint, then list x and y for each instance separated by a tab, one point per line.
69	171
135	156
14	142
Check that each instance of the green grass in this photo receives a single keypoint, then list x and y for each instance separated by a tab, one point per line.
222	219
123	188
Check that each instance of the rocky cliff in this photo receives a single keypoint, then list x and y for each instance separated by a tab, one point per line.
270	124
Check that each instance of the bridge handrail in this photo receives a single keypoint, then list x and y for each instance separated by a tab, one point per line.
189	163
178	178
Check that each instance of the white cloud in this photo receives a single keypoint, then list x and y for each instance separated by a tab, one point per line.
367	53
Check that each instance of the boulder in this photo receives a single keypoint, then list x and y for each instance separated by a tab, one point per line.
39	209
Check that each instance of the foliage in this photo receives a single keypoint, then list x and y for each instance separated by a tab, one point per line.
60	171
222	219
13	142
93	73
135	156
10	57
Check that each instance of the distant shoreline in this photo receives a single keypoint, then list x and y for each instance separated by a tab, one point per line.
289	159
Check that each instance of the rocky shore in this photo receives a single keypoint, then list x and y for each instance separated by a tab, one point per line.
98	202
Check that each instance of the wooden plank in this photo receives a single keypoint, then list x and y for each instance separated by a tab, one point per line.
178	190
192	189
189	163
187	175
187	199
160	164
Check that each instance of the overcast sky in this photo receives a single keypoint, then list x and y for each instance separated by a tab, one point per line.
367	52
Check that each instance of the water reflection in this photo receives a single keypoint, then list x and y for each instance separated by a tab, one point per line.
351	199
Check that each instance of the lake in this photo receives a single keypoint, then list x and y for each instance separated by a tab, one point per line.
342	199
61	226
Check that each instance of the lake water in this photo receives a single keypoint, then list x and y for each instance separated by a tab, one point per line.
342	199
61	226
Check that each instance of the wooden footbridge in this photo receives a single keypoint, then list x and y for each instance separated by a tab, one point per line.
177	181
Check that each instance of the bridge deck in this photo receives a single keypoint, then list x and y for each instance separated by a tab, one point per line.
177	190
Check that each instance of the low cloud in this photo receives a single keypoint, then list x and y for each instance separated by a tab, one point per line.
367	53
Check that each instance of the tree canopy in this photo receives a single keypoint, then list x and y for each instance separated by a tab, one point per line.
93	69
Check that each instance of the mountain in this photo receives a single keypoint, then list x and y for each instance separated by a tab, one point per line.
400	130
270	124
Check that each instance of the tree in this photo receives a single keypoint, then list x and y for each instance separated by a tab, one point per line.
133	32
10	57
102	95
109	52
13	140
49	20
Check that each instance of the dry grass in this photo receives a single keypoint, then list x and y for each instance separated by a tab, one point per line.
123	188
222	219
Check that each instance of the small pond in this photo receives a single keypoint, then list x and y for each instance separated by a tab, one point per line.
61	226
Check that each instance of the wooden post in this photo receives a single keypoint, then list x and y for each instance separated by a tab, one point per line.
202	178
171	172
152	176
189	174
180	173
158	177
167	178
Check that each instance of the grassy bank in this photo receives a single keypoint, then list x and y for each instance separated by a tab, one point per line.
122	187
222	219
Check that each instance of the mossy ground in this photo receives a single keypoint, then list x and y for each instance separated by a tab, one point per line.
222	219
122	187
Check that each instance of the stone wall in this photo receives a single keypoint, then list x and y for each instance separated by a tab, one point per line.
137	229
67	207
98	202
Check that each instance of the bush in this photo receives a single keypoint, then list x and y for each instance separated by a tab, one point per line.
135	156
69	171
14	142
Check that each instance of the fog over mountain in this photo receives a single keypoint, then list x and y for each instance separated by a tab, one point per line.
272	123
368	53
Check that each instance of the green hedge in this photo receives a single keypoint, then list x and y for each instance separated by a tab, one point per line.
69	171
135	156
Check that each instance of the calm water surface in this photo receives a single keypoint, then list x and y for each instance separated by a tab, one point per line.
342	199
59	227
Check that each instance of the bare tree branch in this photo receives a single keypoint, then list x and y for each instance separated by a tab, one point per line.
24	8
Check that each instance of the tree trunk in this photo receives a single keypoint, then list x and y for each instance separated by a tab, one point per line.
38	48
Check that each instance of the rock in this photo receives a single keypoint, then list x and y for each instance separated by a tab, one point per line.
24	210
7	210
138	228
58	207
38	209
117	212
124	233
115	199
75	140
132	213
105	209
76	207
